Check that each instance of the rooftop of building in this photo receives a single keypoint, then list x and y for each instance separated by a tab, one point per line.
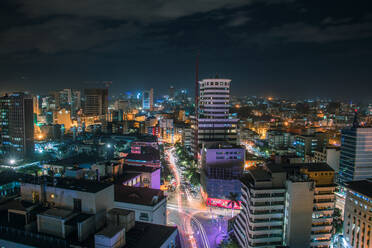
146	235
140	169
148	153
138	195
58	213
110	231
119	211
312	167
126	177
146	138
363	187
259	174
76	160
223	145
8	176
67	183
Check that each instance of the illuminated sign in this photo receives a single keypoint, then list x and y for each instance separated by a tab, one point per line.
222	203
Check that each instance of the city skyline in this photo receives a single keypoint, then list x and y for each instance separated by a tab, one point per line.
278	48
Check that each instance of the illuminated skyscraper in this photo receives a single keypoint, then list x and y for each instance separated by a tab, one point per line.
148	99
96	101
214	122
17	129
356	154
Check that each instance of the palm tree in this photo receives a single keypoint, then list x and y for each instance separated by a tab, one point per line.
192	173
233	200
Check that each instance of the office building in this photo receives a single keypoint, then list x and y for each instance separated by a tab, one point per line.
307	144
148	99
214	123
60	213
260	222
222	166
358	215
96	102
286	204
356	154
4	125
171	92
149	205
17	126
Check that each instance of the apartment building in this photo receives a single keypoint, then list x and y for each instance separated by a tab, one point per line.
148	204
358	214
260	222
286	204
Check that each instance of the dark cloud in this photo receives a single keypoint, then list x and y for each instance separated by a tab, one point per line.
263	45
334	30
144	10
62	34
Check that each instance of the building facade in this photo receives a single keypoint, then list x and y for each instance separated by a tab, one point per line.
358	214
17	126
214	123
356	154
290	205
96	102
222	166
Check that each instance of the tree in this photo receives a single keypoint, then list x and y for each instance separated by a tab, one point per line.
228	243
337	221
233	201
192	173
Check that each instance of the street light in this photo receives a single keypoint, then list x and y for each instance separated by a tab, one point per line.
12	161
108	145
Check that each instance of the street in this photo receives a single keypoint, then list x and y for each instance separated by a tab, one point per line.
199	225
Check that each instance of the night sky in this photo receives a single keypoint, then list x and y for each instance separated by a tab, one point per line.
267	47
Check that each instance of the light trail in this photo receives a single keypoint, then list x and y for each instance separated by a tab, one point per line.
184	215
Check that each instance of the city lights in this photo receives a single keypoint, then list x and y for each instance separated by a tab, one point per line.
202	124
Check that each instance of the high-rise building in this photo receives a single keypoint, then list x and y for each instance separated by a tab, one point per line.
307	144
214	123
358	216
17	128
222	166
76	101
286	204
148	99
356	154
96	101
171	92
4	124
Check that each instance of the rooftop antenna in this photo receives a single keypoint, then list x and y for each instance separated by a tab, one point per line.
196	105
355	121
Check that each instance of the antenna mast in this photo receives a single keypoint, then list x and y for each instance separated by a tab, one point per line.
196	106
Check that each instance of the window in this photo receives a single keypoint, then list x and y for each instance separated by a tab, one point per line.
77	205
144	216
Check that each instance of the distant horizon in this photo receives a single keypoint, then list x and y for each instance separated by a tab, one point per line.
286	48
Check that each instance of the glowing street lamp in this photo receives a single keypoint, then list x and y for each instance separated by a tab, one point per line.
108	145
12	161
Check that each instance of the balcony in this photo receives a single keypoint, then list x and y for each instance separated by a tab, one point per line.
321	236
267	199
264	244
267	207
318	243
278	231
324	196
269	239
318	228
322	224
266	214
323	205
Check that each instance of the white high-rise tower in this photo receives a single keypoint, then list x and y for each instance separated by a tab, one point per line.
214	121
